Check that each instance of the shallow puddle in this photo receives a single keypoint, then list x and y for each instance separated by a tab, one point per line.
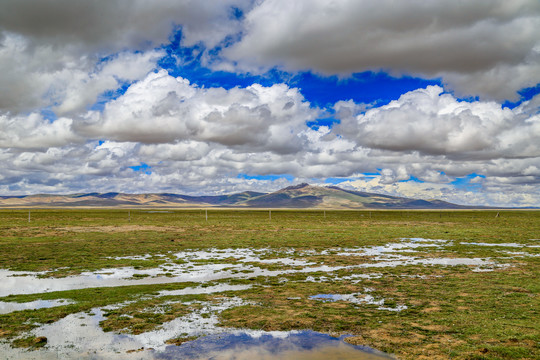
204	290
493	244
520	254
7	307
234	263
269	346
359	299
31	284
11	283
234	345
513	245
80	336
407	245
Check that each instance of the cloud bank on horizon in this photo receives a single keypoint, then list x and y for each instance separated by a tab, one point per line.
423	99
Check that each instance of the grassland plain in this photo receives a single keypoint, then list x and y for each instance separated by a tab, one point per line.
451	311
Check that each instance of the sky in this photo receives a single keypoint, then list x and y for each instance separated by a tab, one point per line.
425	99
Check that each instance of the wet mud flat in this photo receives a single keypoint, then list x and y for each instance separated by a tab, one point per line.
359	290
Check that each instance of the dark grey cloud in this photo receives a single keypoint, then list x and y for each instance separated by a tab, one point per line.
482	47
54	49
116	25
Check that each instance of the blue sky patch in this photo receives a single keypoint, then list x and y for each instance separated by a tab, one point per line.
108	96
377	88
236	13
336	181
271	177
413	179
48	114
368	87
526	94
143	168
315	124
464	183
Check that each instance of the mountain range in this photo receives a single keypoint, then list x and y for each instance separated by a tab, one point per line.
298	196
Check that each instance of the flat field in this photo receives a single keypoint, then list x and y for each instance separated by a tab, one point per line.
412	284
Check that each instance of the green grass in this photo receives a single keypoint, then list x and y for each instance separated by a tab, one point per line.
84	239
453	313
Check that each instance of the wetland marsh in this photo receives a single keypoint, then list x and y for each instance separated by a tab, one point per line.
169	284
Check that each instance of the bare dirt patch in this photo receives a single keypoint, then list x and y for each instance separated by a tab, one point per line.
121	228
431	309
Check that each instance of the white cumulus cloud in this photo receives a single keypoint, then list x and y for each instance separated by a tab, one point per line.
164	109
432	122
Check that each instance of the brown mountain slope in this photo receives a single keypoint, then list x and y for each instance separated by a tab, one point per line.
298	196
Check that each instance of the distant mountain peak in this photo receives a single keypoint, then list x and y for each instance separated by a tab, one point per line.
296	187
296	196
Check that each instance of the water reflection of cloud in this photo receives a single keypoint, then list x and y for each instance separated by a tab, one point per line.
294	346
